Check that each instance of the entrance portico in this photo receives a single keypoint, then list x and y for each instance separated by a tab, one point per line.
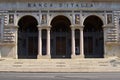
93	37
27	37
60	37
61	40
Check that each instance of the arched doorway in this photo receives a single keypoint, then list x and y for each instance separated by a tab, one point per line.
27	37
60	37
93	37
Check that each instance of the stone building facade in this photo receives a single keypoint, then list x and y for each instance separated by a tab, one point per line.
59	29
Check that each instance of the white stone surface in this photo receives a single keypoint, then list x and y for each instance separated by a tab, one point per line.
60	65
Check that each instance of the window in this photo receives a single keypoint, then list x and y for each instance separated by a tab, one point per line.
11	19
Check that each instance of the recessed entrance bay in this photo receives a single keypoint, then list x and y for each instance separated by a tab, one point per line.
93	37
27	37
60	37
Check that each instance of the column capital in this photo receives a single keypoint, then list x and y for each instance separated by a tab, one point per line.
48	28
76	26
44	27
81	29
39	27
72	26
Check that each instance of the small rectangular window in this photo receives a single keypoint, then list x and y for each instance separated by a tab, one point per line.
11	19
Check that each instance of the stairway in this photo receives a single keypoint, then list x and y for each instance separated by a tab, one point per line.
60	65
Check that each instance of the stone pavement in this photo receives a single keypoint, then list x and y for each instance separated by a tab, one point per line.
60	65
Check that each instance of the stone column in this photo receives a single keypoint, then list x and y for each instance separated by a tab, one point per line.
16	42
73	41
81	43
48	41
40	43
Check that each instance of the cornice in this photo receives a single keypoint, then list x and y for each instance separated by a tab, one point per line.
59	0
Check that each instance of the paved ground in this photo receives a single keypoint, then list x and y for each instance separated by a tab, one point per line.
59	76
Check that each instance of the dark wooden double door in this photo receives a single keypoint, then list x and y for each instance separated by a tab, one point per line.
32	46
61	47
93	46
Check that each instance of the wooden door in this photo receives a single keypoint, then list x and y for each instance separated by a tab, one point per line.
60	46
88	45
32	46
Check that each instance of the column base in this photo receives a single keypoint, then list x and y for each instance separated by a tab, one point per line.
77	57
44	57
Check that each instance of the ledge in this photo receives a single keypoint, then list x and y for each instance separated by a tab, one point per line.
11	26
59	0
108	26
7	44
112	43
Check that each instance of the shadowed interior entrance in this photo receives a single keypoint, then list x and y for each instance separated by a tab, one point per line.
27	37
60	37
61	45
93	37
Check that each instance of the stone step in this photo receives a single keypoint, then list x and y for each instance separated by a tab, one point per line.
60	65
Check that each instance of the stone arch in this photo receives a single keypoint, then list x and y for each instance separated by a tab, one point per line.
98	16
66	16
93	37
27	37
20	16
28	17
61	19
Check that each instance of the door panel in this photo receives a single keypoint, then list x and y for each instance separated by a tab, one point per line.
60	46
32	46
88	45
